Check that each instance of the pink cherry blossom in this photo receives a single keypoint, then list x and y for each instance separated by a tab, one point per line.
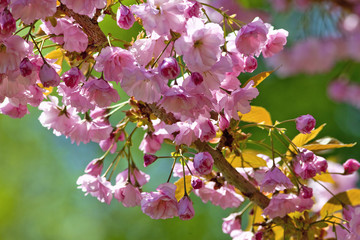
275	42
351	166
124	17
12	110
252	37
160	16
151	143
305	123
127	194
113	61
95	167
7	24
26	67
231	223
203	163
85	7
29	10
137	177
275	179
98	187
161	204
169	68
149	159
186	209
200	46
48	76
100	92
16	49
74	39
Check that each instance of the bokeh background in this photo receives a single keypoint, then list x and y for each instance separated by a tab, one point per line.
39	198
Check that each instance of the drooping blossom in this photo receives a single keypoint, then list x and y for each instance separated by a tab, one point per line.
231	223
100	92
186	209
169	68
95	167
137	177
275	179
149	159
48	76
13	110
124	17
98	187
161	204
7	24
126	193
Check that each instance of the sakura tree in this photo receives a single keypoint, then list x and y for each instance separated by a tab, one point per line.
181	74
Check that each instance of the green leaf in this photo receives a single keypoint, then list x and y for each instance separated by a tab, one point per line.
179	192
249	160
350	197
257	79
327	143
257	115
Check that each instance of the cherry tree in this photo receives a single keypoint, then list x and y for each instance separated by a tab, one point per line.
181	75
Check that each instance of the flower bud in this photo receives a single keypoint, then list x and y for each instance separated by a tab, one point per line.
203	163
7	24
48	76
305	155
223	122
95	167
321	164
351	166
124	18
186	209
197	183
26	67
149	159
72	77
250	64
306	192
169	68
196	78
305	123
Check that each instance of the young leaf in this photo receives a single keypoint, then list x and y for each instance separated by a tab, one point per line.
258	78
326	143
179	192
301	139
350	197
257	115
325	177
249	159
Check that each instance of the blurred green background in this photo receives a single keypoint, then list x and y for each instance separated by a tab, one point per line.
39	198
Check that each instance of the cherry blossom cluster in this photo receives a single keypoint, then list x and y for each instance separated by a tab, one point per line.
181	74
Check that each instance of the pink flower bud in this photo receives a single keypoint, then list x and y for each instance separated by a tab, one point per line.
223	122
250	64
48	76
351	166
194	10
203	163
196	78
197	183
149	159
73	77
7	24
186	209
305	123
320	164
95	167
306	192
169	68
124	18
26	67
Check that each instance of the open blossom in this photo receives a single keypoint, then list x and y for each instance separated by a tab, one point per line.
160	16
7	24
98	187
200	46
85	7
137	177
60	120
307	164
161	204
275	42
231	223
29	10
16	48
275	179
282	204
13	110
113	61
252	37
73	38
127	194
100	92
